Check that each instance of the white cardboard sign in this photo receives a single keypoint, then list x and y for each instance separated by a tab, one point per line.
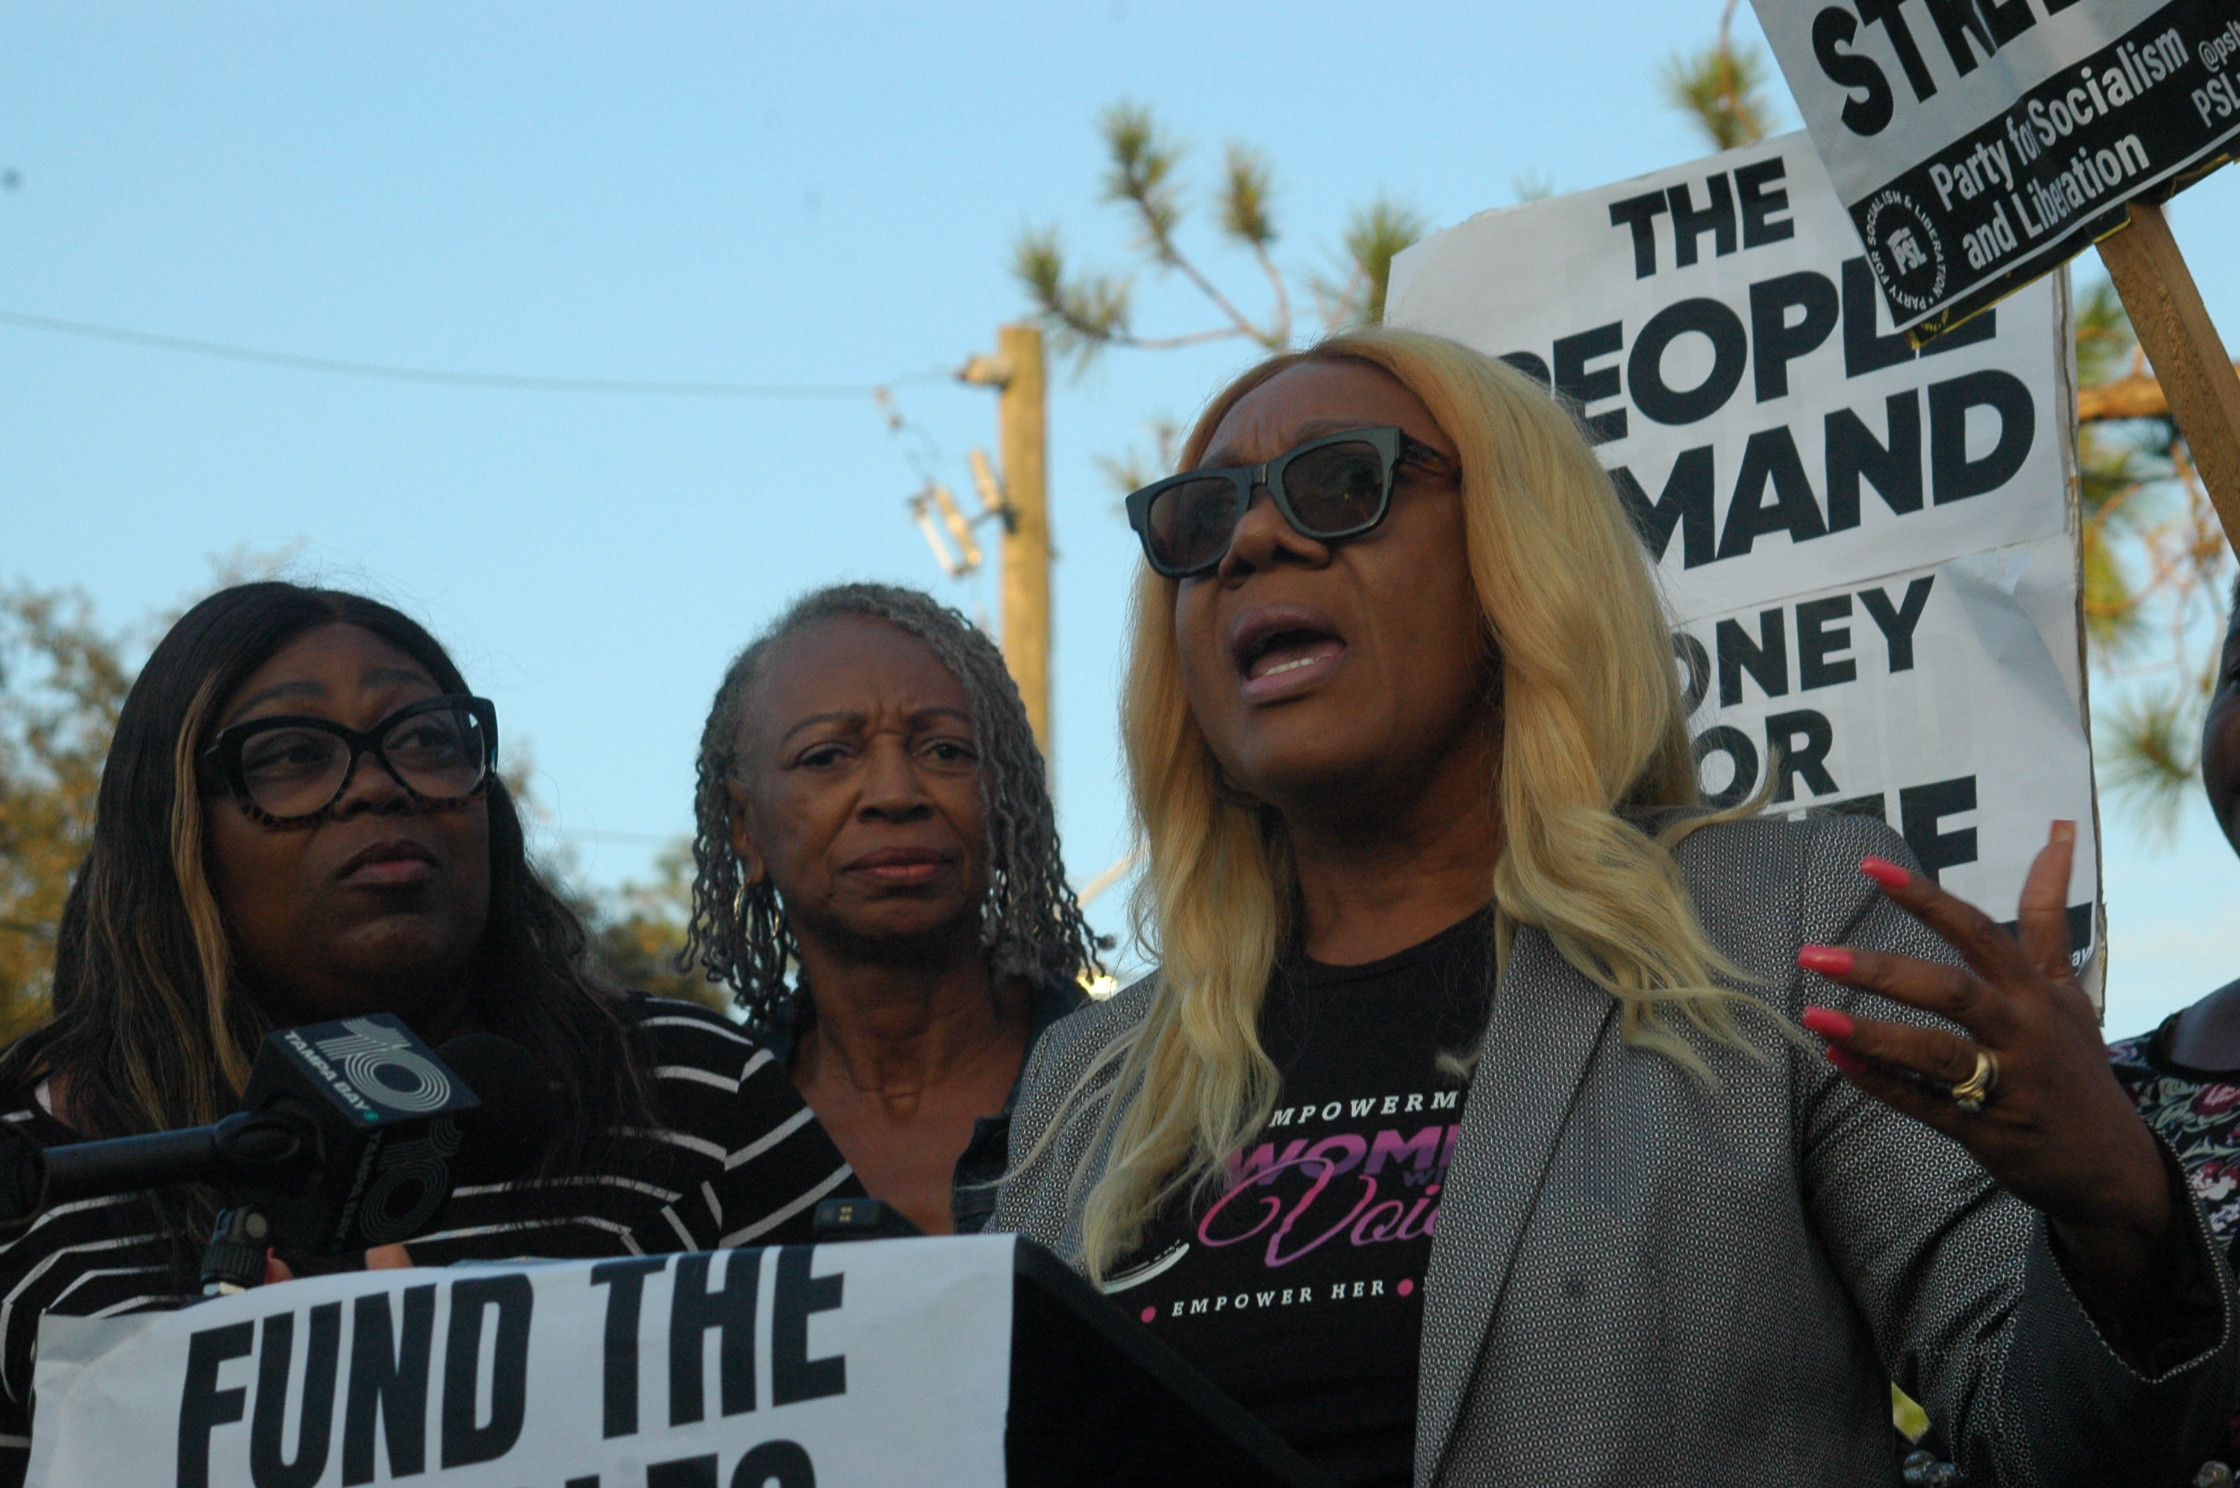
1979	143
1867	552
878	1362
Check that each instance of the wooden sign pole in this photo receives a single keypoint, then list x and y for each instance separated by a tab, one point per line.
2188	356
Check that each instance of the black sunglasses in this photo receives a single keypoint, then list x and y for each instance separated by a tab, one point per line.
288	770
1330	489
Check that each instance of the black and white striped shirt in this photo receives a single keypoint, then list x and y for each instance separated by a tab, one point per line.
736	1159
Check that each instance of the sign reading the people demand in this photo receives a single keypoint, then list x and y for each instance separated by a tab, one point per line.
879	1362
1867	551
1979	143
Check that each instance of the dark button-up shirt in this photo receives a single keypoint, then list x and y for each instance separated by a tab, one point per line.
972	1186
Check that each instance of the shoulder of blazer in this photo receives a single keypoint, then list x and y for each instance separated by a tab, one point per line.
1037	1199
1069	1045
1763	886
1776	849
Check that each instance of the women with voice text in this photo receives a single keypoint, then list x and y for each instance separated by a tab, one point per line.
1465	1133
881	887
300	820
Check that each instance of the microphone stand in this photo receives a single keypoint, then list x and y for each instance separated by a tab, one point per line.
236	1257
275	1147
282	1144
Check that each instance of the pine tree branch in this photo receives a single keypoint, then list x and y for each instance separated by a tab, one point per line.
1244	323
2138	396
1192	338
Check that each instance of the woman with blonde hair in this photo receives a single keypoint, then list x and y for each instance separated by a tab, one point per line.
1463	1134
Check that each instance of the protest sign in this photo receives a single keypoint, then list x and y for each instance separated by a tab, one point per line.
1977	146
879	1362
1867	551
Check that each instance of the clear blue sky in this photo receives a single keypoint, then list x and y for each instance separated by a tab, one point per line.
741	193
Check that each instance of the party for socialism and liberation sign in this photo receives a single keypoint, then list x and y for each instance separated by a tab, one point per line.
1867	551
1978	143
789	1367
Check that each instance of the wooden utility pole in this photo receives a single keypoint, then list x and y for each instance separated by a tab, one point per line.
1023	450
2182	344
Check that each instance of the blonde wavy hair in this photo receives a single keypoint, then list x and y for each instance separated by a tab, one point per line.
1592	729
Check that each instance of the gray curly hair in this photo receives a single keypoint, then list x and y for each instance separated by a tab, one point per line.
1030	926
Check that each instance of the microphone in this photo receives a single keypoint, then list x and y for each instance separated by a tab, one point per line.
508	1136
245	1148
349	1137
380	1113
410	1123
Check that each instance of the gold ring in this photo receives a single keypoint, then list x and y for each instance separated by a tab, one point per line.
1971	1094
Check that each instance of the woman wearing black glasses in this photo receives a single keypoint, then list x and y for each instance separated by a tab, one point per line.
1468	1133
300	820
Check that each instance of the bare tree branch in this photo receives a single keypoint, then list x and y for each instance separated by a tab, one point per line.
2134	397
1087	312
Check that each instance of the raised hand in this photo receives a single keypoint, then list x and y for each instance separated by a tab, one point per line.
2028	1089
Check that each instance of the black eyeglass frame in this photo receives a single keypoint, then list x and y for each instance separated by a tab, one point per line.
222	757
1392	444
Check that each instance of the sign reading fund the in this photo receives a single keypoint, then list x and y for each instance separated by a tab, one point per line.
789	1367
1978	143
1866	550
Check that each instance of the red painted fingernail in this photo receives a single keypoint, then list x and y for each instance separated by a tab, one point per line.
1843	1059
1885	872
1832	961
1828	1023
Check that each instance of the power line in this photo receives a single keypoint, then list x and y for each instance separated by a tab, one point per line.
631	839
495	380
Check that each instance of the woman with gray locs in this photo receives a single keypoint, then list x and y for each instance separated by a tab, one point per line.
879	883
1468	1133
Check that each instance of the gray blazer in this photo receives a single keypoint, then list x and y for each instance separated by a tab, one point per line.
1637	1281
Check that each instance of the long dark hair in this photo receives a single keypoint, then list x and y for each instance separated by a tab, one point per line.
149	1027
1031	925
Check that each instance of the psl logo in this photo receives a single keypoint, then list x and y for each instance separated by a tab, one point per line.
1907	252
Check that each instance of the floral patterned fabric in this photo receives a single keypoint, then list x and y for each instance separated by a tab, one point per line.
2197	1112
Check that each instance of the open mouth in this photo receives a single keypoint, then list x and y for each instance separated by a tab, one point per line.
1290	651
1284	649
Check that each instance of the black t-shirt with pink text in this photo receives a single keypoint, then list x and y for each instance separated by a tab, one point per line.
1299	1289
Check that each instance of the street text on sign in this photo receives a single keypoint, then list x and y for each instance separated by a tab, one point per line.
1977	144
